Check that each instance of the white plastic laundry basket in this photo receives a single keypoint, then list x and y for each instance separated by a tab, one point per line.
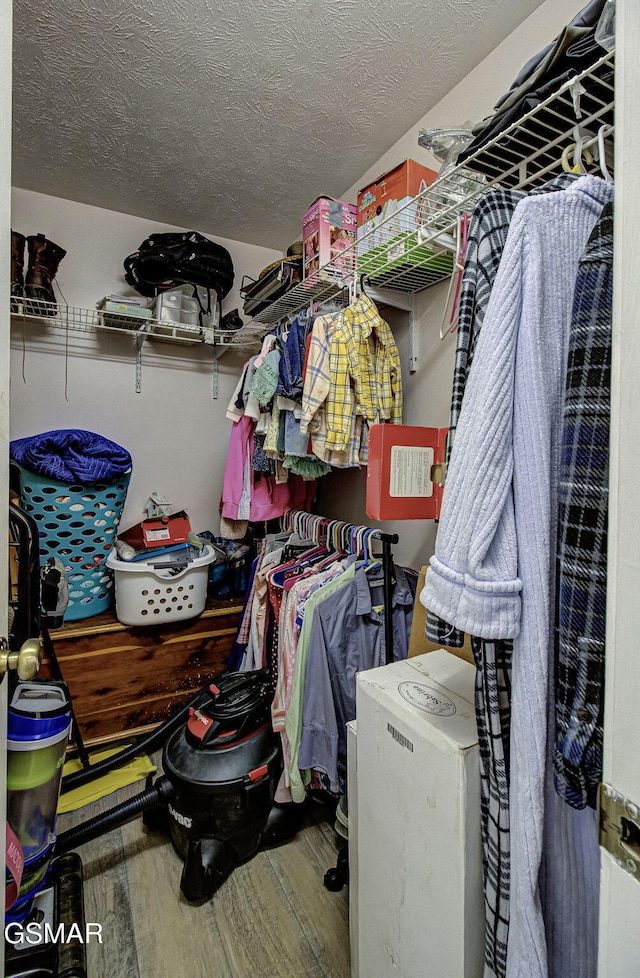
148	595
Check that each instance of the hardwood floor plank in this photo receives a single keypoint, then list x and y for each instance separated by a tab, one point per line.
272	918
173	938
261	936
106	894
300	867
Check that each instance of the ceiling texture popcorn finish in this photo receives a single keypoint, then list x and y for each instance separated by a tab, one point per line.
231	117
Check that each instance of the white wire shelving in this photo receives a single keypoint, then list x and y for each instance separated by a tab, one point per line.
78	319
413	248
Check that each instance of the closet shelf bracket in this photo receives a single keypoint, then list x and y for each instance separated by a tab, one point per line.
139	345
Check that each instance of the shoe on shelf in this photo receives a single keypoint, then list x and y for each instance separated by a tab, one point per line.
18	242
44	259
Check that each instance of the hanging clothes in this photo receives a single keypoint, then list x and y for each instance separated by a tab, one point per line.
494	544
297	588
293	720
257	497
488	230
582	519
365	373
290	380
317	384
575	727
347	636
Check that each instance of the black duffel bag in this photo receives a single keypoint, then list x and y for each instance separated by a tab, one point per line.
166	260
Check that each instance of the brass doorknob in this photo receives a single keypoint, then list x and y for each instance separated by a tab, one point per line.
26	661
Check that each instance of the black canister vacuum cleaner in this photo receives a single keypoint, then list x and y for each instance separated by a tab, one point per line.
222	763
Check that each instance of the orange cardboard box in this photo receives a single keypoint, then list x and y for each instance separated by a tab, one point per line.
390	192
418	641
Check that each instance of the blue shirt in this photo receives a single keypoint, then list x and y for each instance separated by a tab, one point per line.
290	382
347	636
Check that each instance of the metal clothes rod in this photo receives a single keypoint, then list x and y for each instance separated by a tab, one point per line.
351	538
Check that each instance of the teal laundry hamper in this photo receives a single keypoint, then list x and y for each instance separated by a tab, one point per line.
78	524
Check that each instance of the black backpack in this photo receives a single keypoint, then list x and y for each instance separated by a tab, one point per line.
166	260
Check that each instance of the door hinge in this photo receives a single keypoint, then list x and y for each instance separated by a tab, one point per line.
619	828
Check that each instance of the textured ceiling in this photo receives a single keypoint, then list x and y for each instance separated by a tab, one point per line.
226	116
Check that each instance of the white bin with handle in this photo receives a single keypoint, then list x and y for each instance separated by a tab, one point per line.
148	593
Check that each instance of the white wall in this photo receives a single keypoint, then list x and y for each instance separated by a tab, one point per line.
176	432
428	391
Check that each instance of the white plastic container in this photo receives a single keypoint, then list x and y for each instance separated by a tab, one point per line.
148	595
179	305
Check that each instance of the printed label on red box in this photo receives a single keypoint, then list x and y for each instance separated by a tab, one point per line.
410	472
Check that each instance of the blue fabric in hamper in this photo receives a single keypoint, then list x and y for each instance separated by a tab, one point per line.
72	455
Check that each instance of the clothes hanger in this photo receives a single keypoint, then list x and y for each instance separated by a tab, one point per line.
455	282
372	561
603	132
464	230
577	150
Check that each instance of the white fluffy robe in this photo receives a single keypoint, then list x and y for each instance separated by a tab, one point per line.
492	574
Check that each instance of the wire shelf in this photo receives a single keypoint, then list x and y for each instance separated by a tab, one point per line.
529	151
328	282
524	155
83	320
413	248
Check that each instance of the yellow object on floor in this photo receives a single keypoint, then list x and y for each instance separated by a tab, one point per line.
135	770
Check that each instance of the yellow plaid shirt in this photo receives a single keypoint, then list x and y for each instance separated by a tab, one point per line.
364	371
317	384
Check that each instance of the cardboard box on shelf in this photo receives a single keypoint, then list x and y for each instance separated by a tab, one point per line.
418	641
394	245
390	192
328	229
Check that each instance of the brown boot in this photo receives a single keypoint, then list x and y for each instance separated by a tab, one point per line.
17	270
44	258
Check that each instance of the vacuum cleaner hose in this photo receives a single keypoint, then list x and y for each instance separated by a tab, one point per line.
145	745
159	793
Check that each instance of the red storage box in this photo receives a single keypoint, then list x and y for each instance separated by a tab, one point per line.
159	531
404	473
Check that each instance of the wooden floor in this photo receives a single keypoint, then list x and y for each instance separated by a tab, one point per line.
272	918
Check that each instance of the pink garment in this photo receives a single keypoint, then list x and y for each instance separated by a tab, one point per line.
269	499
